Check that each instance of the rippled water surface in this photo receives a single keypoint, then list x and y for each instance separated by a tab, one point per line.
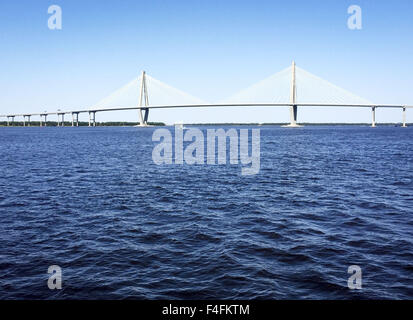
92	201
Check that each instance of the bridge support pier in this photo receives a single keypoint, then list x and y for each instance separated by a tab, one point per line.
293	116
28	120
12	120
75	115
146	116
62	124
143	118
404	118
92	118
373	117
141	123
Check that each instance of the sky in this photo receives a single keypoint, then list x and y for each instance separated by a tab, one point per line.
209	49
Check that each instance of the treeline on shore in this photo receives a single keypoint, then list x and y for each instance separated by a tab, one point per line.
300	123
81	124
132	124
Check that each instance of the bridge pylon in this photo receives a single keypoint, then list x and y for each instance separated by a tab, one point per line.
143	102
293	100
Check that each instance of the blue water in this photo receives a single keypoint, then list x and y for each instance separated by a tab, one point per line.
92	201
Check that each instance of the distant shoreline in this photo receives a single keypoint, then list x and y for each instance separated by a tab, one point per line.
81	124
161	124
286	123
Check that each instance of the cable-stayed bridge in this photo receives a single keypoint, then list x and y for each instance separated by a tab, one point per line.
293	87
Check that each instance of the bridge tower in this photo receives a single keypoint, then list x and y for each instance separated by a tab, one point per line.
143	101
293	99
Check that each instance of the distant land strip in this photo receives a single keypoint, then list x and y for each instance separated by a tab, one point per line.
81	124
131	124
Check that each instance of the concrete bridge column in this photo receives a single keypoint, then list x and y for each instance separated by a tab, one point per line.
45	120
75	114
28	120
293	116
63	119
404	117
141	121
373	117
145	119
92	118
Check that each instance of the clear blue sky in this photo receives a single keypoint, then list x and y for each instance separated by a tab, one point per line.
210	49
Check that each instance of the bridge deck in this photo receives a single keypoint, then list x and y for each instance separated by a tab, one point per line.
201	106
